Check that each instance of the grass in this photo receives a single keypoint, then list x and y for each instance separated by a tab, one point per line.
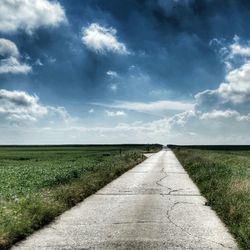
39	183
223	177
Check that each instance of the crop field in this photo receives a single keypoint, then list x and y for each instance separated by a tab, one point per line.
223	177
39	183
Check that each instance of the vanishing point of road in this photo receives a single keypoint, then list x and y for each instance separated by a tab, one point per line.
155	205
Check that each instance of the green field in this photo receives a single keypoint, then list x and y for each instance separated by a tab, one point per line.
39	183
223	176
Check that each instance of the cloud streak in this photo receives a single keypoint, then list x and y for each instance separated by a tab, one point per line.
149	106
115	113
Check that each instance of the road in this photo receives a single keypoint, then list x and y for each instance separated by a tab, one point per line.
155	205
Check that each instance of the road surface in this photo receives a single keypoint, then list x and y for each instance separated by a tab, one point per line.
155	205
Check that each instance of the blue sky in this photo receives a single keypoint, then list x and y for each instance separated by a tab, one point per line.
132	71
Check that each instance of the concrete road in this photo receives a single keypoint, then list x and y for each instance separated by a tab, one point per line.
153	206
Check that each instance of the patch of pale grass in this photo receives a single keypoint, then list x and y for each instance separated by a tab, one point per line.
239	186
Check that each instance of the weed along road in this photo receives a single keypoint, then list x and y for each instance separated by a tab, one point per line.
155	205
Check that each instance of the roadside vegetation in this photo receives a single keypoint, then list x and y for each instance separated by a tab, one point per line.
39	183
223	177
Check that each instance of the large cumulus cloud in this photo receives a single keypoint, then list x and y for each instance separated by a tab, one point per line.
28	15
221	115
19	107
234	93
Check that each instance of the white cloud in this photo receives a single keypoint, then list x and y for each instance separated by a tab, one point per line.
238	49
12	65
10	59
215	127
188	127
220	114
62	113
29	15
233	93
91	111
102	40
113	86
184	128
19	107
8	48
232	53
112	74
237	86
181	118
115	113
150	106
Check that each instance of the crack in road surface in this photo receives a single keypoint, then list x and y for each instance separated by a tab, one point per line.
185	230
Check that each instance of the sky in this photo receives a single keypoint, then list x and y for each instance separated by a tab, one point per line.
131	71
